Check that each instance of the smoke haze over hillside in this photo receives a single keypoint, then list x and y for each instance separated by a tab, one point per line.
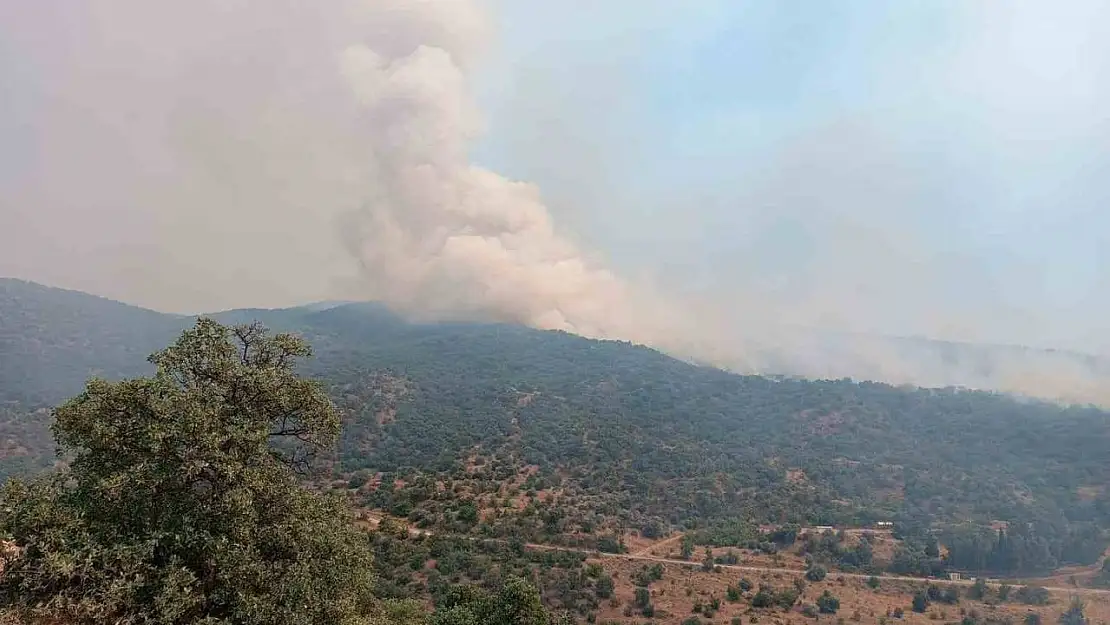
440	236
204	155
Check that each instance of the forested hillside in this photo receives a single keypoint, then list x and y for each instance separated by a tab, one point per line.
621	435
51	340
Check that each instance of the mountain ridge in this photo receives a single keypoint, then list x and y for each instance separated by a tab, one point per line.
635	437
922	346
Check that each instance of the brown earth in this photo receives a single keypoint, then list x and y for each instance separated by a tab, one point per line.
684	585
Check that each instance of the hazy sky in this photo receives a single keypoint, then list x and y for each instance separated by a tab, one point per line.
931	166
913	167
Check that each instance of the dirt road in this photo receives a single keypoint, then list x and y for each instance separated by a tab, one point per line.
643	555
760	569
646	551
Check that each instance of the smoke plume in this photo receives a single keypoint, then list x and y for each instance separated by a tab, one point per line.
202	155
440	236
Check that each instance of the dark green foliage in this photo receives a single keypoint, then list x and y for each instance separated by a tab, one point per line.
1023	549
1032	618
181	504
687	547
645	575
949	594
467	513
604	586
920	602
26	445
765	598
651	530
786	535
609	544
726	533
642	601
978	590
656	442
656	571
1033	595
449	561
730	557
53	340
708	562
919	553
873	582
816	573
1074	614
787	597
827	603
516	602
830	547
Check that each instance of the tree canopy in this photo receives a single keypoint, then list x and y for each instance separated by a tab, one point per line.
181	503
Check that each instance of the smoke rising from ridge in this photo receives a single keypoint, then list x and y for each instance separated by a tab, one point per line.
444	237
210	154
439	235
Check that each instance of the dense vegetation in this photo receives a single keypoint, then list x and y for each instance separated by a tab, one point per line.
506	432
181	505
52	340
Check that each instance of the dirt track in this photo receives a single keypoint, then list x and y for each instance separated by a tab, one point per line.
644	556
760	569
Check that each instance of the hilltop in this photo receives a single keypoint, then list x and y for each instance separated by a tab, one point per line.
554	437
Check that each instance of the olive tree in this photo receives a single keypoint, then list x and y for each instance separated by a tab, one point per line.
181	501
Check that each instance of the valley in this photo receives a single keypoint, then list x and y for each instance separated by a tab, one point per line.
476	451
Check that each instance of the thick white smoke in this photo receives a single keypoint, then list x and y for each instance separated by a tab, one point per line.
440	236
193	156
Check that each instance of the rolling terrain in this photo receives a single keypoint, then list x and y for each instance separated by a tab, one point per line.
504	431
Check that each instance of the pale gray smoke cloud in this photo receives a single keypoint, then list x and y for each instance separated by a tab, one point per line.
443	237
439	235
213	154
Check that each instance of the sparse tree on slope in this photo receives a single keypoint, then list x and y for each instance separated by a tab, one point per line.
182	505
1074	614
827	603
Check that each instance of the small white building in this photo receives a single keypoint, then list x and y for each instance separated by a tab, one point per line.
955	577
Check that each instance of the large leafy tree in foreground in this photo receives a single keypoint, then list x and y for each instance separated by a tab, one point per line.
182	504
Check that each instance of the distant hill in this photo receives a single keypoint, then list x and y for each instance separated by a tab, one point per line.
52	340
625	430
1054	374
